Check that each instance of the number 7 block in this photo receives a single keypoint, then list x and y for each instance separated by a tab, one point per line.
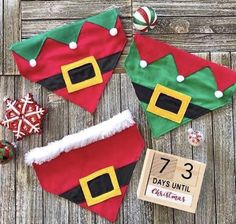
171	181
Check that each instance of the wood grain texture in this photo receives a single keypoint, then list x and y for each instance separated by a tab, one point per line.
233	64
181	147
196	26
1	37
204	153
135	211
223	136
163	214
199	42
55	128
8	171
210	25
71	9
28	192
189	7
12	21
32	27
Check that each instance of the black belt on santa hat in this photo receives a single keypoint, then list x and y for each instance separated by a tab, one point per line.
80	74
168	103
101	185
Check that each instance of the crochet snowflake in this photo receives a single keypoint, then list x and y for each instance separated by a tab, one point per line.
23	116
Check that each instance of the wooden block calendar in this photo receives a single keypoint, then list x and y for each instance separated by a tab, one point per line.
171	181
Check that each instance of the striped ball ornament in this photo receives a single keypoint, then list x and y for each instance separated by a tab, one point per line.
145	19
7	151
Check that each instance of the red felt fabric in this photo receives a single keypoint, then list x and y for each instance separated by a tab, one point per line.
87	98
151	50
144	15
49	61
63	173
108	209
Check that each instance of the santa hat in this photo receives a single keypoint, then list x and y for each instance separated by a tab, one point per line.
93	167
174	86
76	60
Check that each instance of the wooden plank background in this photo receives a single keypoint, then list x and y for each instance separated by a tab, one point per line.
204	27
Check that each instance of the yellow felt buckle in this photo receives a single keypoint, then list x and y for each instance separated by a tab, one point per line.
95	200
84	84
176	117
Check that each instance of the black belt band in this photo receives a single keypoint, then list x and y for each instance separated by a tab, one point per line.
123	175
105	64
168	103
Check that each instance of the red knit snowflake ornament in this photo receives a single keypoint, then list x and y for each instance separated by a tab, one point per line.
23	116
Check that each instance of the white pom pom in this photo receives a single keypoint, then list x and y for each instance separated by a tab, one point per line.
180	78
113	32
32	62
143	64
218	94
72	45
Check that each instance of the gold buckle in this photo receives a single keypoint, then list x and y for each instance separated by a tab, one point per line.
84	84
95	200
176	117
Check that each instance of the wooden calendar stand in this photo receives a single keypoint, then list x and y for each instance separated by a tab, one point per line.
171	180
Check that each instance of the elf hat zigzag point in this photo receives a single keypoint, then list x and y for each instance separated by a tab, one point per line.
187	64
73	30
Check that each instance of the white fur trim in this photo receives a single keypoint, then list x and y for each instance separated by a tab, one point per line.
92	134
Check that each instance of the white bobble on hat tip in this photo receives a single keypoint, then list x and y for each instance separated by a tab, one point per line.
32	62
72	45
113	31
143	64
180	78
218	94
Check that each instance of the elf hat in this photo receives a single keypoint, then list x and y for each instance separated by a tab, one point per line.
93	167
174	86
76	60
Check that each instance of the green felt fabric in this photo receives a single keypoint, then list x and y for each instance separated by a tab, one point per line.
152	12
139	22
30	48
201	86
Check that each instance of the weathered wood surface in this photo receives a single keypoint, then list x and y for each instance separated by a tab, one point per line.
11	33
197	26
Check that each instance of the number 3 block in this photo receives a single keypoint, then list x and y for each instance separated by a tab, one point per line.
171	180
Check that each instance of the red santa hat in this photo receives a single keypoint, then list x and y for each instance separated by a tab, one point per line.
93	167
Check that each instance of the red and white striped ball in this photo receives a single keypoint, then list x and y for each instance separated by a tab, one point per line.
145	19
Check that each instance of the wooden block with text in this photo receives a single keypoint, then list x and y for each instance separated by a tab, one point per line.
171	181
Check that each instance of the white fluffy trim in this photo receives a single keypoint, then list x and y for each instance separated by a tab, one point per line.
95	133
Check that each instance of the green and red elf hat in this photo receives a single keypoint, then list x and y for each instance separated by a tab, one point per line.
91	168
75	60
174	86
